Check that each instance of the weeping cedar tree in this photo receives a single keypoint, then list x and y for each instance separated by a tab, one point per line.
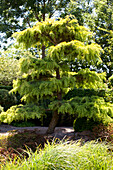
50	77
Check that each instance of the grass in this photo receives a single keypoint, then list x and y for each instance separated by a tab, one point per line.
66	156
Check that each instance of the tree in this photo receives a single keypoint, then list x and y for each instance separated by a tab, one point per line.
98	16
103	26
8	70
17	15
9	64
81	9
50	77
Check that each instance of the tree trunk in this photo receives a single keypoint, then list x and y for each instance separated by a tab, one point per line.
55	117
43	51
43	18
53	123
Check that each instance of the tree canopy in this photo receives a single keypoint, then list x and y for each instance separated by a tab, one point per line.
18	15
98	16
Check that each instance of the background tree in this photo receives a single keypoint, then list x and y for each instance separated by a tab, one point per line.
8	70
102	26
82	10
9	64
50	77
18	15
98	16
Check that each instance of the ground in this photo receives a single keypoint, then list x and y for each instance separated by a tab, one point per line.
60	132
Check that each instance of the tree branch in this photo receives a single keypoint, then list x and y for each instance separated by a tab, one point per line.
37	17
50	38
28	22
43	14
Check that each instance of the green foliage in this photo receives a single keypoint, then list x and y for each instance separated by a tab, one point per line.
29	11
66	29
1	109
85	92
90	79
80	92
6	99
91	107
8	70
42	82
97	15
111	81
21	112
6	87
81	124
109	96
102	26
23	124
66	156
80	9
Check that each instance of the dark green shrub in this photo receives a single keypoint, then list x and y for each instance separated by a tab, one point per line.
6	87
23	124
6	99
81	124
17	94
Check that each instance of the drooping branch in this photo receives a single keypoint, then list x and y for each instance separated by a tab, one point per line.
50	39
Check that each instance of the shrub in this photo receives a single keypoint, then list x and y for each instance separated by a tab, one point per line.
6	99
8	70
6	87
81	124
23	124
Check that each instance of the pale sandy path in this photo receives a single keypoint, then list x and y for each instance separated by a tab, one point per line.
59	132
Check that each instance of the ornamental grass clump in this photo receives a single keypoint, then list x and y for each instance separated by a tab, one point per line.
68	156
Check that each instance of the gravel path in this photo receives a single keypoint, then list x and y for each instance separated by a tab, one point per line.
60	132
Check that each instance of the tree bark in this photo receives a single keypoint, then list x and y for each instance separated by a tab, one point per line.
43	51
43	18
53	123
